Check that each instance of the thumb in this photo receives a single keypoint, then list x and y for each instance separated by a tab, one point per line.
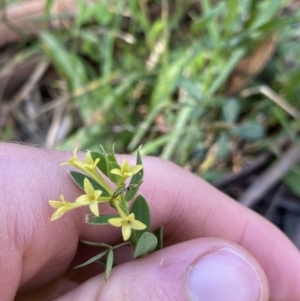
201	269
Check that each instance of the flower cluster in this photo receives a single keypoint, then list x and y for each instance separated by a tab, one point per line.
93	197
104	181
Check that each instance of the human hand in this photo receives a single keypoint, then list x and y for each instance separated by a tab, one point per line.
216	249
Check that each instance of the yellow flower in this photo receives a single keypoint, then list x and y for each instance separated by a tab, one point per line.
91	198
126	170
127	223
62	207
90	163
74	161
89	167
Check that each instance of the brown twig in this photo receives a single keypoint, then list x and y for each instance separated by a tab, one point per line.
30	84
24	91
248	169
270	177
54	127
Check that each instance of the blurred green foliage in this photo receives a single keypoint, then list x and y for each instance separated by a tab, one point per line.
156	72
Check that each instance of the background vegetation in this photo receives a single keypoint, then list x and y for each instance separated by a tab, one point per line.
210	85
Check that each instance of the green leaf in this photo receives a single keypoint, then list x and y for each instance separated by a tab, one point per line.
93	259
193	88
102	15
102	164
136	179
159	235
249	131
222	144
231	110
112	156
58	54
267	13
68	64
85	14
278	24
142	213
212	175
78	178
146	244
107	163
232	13
204	20
111	165
102	219
109	263
225	72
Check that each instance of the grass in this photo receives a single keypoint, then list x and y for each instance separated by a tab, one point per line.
157	73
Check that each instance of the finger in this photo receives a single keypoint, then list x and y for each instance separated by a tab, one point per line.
186	206
193	208
202	269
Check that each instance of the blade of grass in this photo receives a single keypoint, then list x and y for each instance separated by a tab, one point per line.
167	79
211	26
152	147
143	128
139	11
223	76
109	41
202	21
267	13
128	82
179	129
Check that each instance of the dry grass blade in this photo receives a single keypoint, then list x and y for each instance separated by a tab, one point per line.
30	84
268	92
55	127
25	90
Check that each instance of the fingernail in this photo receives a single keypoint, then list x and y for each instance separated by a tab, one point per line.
222	275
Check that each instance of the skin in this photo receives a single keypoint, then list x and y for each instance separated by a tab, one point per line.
37	255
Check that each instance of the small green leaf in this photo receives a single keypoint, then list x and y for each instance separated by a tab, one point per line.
107	163
231	110
111	165
136	179
146	244
159	235
222	144
102	14
102	219
112	156
109	263
102	164
205	19
78	178
93	259
249	131
277	24
268	13
141	212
